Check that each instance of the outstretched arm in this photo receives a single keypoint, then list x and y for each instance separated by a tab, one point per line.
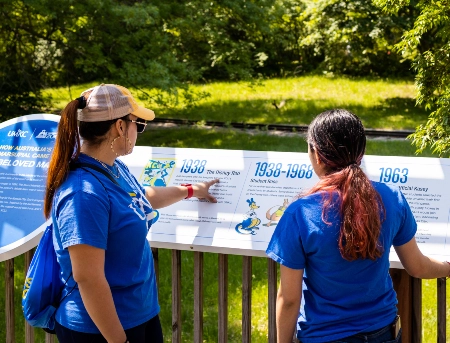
419	265
160	197
288	303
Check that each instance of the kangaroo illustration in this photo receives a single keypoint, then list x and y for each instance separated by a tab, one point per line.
250	224
275	216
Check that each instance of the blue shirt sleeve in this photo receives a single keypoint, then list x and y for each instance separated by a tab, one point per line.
83	218
408	226
286	247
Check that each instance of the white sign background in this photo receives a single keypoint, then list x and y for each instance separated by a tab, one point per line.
254	189
254	186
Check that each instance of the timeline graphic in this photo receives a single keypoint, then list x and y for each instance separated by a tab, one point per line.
256	188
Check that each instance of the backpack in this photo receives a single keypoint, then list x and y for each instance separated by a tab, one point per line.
43	287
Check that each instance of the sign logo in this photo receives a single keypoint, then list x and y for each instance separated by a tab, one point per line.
18	133
45	134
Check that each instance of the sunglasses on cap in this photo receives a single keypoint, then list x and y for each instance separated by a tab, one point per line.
140	124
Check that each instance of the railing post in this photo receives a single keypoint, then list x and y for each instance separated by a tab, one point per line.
416	300
409	295
246	299
176	296
156	265
49	338
272	280
441	310
198	297
29	330
223	298
9	301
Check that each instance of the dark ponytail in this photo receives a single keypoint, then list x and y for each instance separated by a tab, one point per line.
67	147
338	138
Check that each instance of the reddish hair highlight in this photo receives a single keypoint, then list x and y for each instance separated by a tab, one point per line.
338	138
360	208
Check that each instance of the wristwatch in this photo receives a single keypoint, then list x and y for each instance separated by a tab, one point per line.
189	188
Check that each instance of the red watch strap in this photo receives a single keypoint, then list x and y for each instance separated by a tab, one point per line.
189	189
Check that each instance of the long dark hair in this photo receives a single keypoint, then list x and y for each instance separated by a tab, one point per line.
67	147
338	138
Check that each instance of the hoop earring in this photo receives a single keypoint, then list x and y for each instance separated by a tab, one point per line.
131	146
112	145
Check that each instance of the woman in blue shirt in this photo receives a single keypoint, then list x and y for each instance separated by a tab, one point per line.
333	245
100	226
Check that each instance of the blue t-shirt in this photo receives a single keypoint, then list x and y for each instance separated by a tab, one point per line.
116	219
340	298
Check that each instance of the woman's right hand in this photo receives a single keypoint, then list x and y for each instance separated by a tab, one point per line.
201	190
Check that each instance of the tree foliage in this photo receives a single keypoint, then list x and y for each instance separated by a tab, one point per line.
355	37
23	63
167	44
428	43
154	44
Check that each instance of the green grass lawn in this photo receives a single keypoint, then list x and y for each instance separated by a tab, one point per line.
198	137
385	104
223	138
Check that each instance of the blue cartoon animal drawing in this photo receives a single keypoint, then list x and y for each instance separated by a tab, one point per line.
156	172
250	224
275	216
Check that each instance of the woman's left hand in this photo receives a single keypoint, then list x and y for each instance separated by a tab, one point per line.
201	190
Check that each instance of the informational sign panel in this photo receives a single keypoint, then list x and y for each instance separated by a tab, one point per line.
26	144
425	184
256	187
254	190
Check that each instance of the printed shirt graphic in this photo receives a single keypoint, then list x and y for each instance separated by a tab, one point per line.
141	207
116	219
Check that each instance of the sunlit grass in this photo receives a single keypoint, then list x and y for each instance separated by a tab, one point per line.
220	138
385	104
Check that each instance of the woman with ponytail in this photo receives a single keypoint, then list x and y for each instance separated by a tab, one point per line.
333	245
101	216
